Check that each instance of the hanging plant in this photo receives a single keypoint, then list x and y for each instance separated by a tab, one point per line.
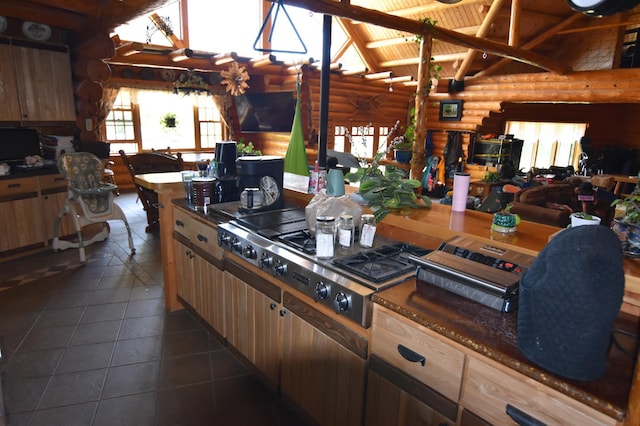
169	120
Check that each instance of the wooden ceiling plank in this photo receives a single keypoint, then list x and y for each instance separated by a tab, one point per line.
402	24
433	7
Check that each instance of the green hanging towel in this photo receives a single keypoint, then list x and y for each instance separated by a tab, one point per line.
295	160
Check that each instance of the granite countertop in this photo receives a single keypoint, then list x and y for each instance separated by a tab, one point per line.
19	173
493	334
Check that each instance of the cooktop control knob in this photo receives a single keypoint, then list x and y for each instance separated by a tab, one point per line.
342	302
266	261
279	268
224	239
236	245
321	291
249	252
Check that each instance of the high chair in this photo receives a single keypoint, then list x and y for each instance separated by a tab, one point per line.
89	200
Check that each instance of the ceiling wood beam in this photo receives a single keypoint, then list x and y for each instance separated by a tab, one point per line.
43	14
544	36
355	35
514	23
416	27
489	19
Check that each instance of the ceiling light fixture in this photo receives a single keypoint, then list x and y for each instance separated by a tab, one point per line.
448	1
189	83
599	8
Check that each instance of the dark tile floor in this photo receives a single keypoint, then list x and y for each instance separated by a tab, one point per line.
93	345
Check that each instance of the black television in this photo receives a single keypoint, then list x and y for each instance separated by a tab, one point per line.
266	112
16	144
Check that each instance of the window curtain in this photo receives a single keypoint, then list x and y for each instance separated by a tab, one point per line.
109	95
224	104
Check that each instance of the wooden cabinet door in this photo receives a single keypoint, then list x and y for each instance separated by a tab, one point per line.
324	378
9	101
389	405
21	224
185	282
210	303
266	343
237	321
53	189
44	84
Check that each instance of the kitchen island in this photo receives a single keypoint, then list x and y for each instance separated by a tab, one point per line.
475	345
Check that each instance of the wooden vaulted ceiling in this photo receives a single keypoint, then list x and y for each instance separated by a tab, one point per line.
536	32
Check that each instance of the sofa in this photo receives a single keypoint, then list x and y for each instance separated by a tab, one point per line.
553	204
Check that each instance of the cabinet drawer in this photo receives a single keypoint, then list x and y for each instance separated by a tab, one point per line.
14	187
489	387
202	235
440	365
52	183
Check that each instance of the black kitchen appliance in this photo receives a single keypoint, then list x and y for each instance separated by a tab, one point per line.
266	173
227	185
16	144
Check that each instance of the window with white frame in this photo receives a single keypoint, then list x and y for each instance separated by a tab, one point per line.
136	122
119	124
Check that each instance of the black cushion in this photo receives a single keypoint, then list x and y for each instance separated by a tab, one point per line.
569	300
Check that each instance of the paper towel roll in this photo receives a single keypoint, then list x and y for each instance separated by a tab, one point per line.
460	191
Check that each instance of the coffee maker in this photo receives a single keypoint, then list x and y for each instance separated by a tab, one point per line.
264	173
227	176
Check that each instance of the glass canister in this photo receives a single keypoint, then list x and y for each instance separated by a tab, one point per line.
325	228
367	230
345	231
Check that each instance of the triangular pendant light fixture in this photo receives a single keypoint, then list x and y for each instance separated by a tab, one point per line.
279	5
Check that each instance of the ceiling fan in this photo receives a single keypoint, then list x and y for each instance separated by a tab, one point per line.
598	8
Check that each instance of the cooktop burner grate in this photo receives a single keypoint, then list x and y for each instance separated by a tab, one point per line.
300	240
383	264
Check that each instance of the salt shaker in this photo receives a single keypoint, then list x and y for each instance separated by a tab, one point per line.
325	228
367	230
345	231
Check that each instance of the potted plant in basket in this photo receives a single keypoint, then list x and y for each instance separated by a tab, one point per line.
169	120
627	226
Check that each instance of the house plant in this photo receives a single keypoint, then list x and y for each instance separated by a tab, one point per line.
385	191
243	148
403	151
169	120
627	225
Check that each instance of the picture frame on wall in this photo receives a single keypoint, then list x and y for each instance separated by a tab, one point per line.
451	110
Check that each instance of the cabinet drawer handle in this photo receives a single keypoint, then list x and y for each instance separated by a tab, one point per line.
410	355
180	223
282	312
522	418
272	306
59	179
202	238
15	185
